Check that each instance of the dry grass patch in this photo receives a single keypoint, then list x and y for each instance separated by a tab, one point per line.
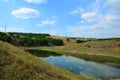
16	64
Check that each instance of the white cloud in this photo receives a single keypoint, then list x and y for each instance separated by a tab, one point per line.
55	17
46	22
102	19
106	26
109	20
90	31
25	13
76	11
36	1
54	32
89	16
112	3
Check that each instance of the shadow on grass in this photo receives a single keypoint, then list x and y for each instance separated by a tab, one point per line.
42	53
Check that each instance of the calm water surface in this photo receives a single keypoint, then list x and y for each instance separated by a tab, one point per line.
85	68
80	66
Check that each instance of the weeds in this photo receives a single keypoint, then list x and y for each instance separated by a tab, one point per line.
16	64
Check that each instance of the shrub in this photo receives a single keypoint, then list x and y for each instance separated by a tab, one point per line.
42	41
26	41
68	39
57	42
119	45
5	37
79	41
87	45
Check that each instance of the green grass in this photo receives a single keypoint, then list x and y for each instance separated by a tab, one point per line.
84	55
100	51
16	64
98	47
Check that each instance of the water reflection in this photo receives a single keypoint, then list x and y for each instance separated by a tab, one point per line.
42	53
82	67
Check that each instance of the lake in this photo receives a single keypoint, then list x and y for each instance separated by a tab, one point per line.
80	66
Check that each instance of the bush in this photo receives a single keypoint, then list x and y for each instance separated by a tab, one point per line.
79	41
29	39
57	42
5	37
26	41
119	45
68	39
42	41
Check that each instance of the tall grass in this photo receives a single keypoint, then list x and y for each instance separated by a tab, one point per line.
100	51
16	64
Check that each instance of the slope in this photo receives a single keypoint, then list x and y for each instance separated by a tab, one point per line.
16	64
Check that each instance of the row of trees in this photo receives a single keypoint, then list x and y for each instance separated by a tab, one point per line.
4	37
29	34
27	41
79	41
30	39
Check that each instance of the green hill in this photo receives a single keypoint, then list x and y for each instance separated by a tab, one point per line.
107	47
29	39
16	64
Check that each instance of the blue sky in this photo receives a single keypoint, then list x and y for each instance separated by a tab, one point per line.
76	18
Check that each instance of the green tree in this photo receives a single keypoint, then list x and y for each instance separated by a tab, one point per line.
26	41
5	37
79	41
57	42
42	41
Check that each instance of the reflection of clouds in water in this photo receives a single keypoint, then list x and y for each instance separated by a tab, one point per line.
108	71
80	62
87	73
81	67
87	69
101	71
90	69
74	60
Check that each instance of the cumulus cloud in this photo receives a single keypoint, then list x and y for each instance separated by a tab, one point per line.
89	16
109	20
54	32
46	22
36	1
112	3
101	20
76	11
25	13
92	31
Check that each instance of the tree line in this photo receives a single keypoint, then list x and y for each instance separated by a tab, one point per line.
30	39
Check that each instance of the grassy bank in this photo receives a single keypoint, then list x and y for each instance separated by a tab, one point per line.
105	47
16	64
82	55
100	51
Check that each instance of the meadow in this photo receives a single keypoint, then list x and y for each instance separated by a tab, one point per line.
16	64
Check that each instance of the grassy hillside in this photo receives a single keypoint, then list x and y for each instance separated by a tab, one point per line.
99	50
29	39
107	47
16	64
